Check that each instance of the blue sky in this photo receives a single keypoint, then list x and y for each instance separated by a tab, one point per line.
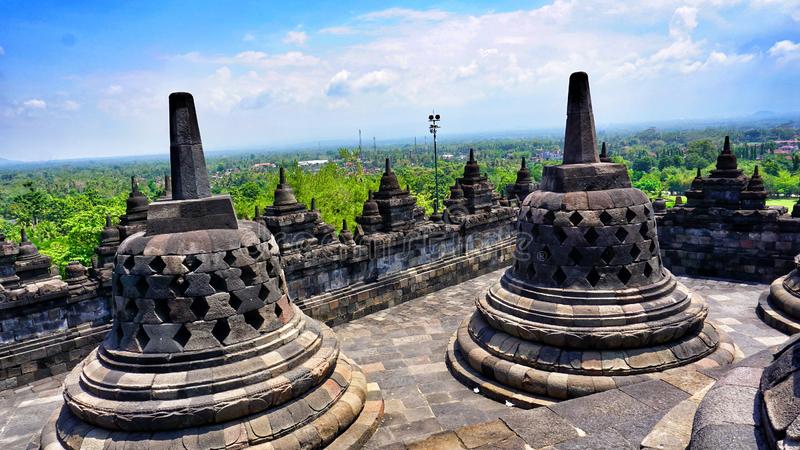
92	79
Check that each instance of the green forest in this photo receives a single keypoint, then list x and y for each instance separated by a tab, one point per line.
63	205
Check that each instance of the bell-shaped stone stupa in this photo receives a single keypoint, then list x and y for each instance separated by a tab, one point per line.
587	305
206	349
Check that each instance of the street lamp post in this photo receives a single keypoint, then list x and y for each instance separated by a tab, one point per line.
434	126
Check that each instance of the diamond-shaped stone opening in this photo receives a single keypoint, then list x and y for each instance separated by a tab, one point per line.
131	309
235	302
270	268
253	251
561	235
544	254
142	338
648	270
278	310
535	230
248	275
254	319
157	264
161	310
630	215
575	255
591	236
635	251
621	234
647	211
575	218
529	214
549	217
593	277
608	255
652	247
624	275
264	292
559	276
129	263
229	258
182	336
177	286
142	286
644	230
191	262
218	283
199	307
221	330
606	218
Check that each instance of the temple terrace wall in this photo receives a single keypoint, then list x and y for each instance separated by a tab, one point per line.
747	245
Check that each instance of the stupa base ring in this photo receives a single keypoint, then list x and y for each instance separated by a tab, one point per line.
348	423
772	307
526	387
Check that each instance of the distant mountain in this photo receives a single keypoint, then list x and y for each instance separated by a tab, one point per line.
8	162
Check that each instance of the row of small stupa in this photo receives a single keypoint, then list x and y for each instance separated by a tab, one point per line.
207	350
296	227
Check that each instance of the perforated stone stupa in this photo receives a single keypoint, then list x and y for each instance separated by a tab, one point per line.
587	305
206	349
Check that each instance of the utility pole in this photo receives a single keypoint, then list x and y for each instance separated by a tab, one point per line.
434	127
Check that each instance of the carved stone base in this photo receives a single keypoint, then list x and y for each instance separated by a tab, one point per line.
779	308
529	375
343	412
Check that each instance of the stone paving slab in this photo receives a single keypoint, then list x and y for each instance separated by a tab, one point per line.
403	350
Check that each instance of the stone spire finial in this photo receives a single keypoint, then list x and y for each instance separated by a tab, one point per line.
756	183
726	159
700	174
108	220
344	224
523	165
313	203
134	186
257	212
284	195
189	173
471	155
167	186
604	154
23	235
579	138
388	167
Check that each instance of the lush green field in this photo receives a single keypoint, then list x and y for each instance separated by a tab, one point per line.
63	205
786	202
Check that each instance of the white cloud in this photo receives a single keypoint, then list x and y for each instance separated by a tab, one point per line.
340	31
407	14
248	37
295	38
114	89
70	105
34	103
785	51
684	21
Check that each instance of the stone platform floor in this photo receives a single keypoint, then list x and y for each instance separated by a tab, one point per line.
403	349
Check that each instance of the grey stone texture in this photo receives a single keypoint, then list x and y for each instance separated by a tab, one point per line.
587	305
206	350
401	348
